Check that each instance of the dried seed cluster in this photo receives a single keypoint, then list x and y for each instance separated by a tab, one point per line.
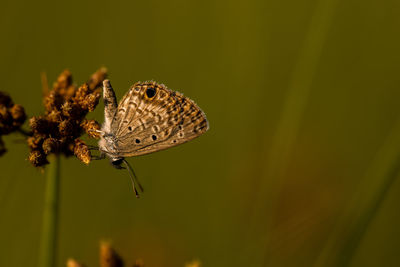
12	116
59	129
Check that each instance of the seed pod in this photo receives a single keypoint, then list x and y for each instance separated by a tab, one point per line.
82	92
54	116
82	152
50	145
18	115
5	115
5	100
39	125
66	128
72	110
35	142
6	121
64	80
90	101
37	158
53	101
91	127
97	78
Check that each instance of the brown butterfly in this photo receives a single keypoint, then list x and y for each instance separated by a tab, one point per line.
149	118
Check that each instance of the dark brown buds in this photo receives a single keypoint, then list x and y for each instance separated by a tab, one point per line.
92	128
37	158
12	116
59	129
81	151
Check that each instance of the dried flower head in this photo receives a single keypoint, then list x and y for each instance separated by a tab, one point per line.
12	116
58	131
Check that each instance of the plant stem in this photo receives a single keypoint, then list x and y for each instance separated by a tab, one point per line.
47	256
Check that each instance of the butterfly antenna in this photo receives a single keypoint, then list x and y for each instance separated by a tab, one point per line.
134	178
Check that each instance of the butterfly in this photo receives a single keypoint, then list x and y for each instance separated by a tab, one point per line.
149	118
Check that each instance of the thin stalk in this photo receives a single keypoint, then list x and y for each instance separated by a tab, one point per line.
47	256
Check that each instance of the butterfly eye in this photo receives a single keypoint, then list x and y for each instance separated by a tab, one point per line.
150	92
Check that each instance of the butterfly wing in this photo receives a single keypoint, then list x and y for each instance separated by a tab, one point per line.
110	105
151	117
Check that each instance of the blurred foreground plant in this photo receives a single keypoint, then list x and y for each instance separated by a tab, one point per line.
110	258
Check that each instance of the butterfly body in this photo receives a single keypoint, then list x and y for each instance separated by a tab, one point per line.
149	118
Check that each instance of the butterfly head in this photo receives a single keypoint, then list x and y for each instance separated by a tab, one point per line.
117	162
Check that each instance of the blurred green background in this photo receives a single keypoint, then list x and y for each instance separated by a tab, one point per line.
299	167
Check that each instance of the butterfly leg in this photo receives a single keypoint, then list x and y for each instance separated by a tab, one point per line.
134	178
99	157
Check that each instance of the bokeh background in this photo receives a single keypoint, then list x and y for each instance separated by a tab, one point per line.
299	167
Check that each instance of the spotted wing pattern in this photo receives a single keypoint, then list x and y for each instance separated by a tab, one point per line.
151	117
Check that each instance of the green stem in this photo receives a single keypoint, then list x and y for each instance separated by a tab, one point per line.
47	256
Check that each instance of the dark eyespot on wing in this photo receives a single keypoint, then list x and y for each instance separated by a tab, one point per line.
150	92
